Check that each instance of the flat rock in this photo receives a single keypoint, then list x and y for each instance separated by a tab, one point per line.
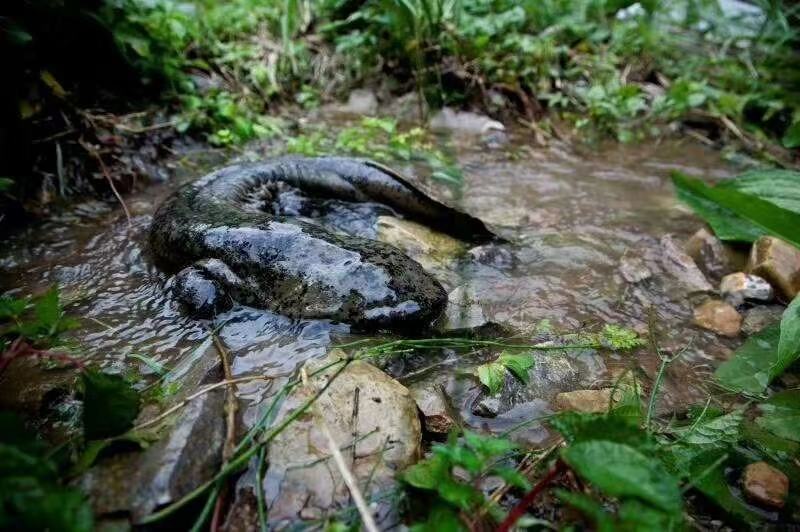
719	317
464	122
424	245
590	401
779	263
710	254
736	288
681	266
765	485
378	439
761	317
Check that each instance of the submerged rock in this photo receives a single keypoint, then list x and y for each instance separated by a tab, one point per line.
464	310
589	401
779	263
765	485
760	317
426	246
464	122
433	403
682	267
736	288
719	317
488	406
378	438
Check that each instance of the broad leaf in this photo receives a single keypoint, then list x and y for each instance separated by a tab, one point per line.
714	431
781	187
492	375
621	471
781	415
578	427
750	369
110	405
789	343
589	507
735	215
517	364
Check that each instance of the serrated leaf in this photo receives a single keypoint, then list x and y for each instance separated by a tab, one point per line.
781	415
620	470
110	405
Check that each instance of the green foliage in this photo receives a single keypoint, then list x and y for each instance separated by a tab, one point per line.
781	415
31	497
5	184
493	374
476	457
737	215
40	321
764	356
110	405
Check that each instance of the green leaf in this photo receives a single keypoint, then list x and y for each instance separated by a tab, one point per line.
735	215
589	507
716	430
750	369
427	473
110	405
12	308
441	518
789	343
517	364
781	187
492	375
781	415
5	183
579	427
621	471
791	138
620	338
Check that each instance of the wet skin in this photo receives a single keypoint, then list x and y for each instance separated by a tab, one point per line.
242	233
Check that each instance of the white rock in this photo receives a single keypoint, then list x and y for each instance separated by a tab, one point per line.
736	288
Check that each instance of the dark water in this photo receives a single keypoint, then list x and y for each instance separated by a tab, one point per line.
570	217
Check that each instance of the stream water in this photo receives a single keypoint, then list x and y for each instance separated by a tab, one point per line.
570	217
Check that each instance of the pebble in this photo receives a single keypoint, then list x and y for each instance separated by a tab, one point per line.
589	401
709	253
736	288
779	263
719	317
765	485
682	266
761	317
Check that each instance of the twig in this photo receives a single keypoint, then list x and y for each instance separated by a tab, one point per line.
519	510
94	153
347	475
230	426
199	393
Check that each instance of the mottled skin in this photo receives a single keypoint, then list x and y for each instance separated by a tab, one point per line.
224	249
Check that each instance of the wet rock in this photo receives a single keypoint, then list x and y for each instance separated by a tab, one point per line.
634	269
736	288
710	254
378	439
719	317
682	267
361	102
424	245
432	402
492	255
189	456
488	407
765	485
463	309
779	263
590	401
761	317
26	386
464	122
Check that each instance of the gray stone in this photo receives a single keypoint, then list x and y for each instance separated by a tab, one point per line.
710	254
464	122
681	266
488	407
426	246
189	456
761	317
779	263
736	288
361	102
463	309
378	439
